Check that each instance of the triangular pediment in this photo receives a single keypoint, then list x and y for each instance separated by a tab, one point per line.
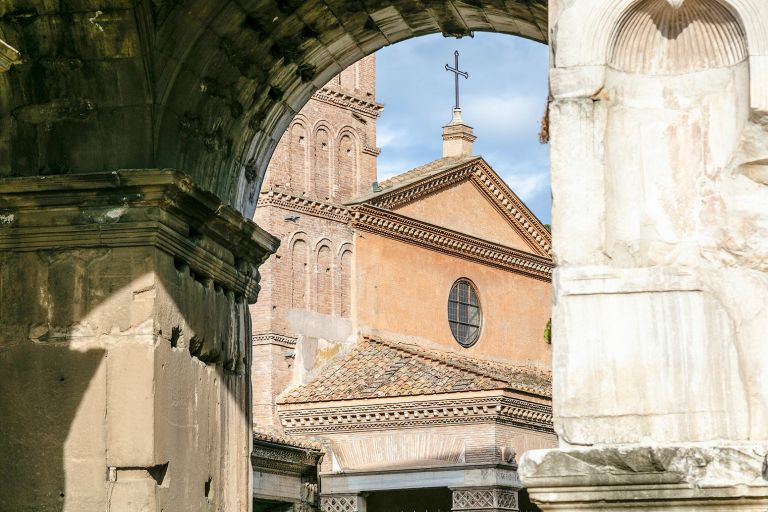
464	195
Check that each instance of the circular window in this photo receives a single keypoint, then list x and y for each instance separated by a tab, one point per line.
464	313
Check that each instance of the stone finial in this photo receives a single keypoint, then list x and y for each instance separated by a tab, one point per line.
8	56
457	137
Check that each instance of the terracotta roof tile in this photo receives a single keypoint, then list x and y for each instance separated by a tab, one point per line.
274	437
378	368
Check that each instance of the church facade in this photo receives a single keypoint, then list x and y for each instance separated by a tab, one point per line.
401	324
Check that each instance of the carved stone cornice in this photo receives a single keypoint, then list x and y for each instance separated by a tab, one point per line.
505	201
358	104
305	205
132	208
320	419
273	338
275	457
392	225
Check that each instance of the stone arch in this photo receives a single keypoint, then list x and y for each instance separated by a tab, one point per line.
347	164
322	160
324	270
271	61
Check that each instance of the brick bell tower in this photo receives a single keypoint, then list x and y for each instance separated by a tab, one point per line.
326	157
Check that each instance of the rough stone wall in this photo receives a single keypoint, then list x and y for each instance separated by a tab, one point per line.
124	341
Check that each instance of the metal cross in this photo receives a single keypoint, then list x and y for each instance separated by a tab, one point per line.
456	72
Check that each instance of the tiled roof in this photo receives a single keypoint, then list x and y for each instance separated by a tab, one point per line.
377	368
415	174
274	437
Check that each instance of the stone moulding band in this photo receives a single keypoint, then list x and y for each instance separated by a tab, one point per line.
278	457
391	225
130	208
504	410
311	207
273	338
336	98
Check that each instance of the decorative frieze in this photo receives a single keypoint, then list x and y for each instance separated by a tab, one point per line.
304	205
399	227
275	453
502	410
342	503
343	99
273	338
493	499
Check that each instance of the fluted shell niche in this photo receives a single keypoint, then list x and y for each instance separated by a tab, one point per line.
663	37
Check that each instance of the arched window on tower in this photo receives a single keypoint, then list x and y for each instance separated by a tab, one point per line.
299	275
345	283
297	159
322	168
324	281
346	167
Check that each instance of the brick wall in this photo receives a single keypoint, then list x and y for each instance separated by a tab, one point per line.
327	154
329	150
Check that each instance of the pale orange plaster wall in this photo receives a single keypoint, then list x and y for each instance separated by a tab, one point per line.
403	288
463	208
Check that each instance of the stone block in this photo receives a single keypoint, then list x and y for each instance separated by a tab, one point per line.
130	409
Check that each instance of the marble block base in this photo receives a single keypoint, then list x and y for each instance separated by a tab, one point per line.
680	478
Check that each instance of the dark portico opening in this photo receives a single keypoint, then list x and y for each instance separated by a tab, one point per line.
416	500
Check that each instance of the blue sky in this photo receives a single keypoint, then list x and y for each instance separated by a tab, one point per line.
503	100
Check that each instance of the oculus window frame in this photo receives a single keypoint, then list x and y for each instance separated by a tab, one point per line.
465	313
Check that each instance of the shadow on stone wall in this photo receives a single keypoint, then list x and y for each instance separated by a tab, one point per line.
42	388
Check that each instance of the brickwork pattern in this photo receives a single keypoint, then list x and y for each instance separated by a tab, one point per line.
327	154
329	150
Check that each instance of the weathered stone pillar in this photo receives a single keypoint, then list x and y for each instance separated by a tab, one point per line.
124	344
343	503
661	294
484	499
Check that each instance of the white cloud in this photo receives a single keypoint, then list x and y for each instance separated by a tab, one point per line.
528	186
392	167
506	114
391	137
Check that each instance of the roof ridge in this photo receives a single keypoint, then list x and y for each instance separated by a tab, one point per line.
427	167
